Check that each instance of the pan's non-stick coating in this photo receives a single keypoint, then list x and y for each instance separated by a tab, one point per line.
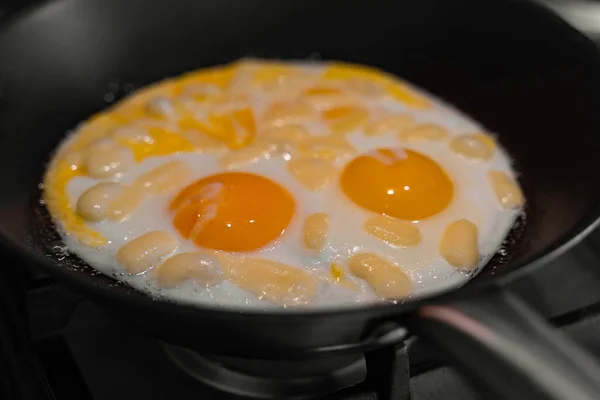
514	67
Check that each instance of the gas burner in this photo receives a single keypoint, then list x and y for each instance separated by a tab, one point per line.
270	379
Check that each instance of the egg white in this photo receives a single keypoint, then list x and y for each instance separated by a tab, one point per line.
429	272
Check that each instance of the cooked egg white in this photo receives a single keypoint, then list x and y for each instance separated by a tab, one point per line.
342	229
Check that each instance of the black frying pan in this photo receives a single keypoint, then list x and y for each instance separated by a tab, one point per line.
513	66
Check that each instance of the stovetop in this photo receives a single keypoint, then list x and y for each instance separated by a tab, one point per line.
57	345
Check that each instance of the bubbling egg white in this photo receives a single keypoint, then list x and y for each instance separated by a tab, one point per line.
473	198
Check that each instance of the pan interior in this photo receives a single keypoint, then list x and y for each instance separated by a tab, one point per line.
537	84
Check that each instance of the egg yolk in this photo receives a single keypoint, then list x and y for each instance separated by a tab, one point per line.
400	183
232	211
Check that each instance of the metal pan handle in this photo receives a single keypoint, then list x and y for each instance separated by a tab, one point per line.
505	349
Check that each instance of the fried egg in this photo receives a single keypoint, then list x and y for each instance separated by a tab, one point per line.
283	184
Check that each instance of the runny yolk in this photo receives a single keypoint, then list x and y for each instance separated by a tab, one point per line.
400	183
233	211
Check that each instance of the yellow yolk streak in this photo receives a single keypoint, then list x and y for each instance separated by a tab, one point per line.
57	201
392	85
62	171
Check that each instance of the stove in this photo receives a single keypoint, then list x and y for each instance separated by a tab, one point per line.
56	345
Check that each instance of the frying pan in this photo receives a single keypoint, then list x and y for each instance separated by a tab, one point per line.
512	65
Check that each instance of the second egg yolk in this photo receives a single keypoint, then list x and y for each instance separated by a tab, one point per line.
232	211
400	183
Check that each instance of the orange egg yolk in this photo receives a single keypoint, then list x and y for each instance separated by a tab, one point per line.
400	183
232	211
